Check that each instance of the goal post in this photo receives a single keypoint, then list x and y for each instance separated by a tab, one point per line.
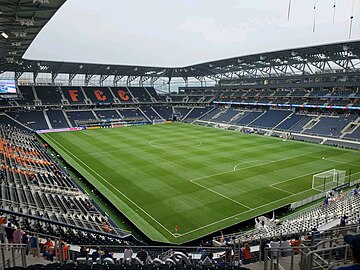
328	180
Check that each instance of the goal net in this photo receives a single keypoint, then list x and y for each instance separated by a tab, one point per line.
328	180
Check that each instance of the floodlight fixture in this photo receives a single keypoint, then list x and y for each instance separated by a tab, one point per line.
25	21
108	67
20	34
10	59
5	35
41	2
81	66
16	44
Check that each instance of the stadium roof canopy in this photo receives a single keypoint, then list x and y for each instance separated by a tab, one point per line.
22	20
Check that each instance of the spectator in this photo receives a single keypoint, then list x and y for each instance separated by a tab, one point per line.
204	254
25	241
326	201
315	235
343	223
285	247
142	255
9	231
354	242
296	244
84	253
262	247
33	245
17	235
199	248
274	245
106	227
128	253
107	254
63	252
48	253
246	251
95	255
48	244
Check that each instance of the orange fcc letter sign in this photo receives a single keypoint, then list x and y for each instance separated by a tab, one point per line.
74	94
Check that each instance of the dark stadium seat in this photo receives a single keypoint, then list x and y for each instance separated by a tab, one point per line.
140	93
271	118
76	117
48	94
57	119
32	119
27	94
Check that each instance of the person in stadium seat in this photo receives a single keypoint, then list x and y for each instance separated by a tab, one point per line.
64	251
95	255
48	254
274	245
48	244
33	245
128	253
354	242
343	223
263	245
246	251
107	254
286	247
25	241
142	255
9	231
3	220
295	243
84	252
106	227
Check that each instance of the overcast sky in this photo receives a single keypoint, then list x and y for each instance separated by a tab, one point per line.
176	33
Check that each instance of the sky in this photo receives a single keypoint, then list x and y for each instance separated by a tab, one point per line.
179	33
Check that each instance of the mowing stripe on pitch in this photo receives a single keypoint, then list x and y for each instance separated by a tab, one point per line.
134	203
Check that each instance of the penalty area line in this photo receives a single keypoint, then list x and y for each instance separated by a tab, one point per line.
222	195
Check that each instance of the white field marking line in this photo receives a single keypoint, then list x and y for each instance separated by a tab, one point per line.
244	162
341	162
199	143
248	167
222	195
281	189
221	220
116	189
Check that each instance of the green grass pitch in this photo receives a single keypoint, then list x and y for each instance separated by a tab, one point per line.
198	178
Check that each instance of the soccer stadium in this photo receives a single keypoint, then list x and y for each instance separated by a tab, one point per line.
235	162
